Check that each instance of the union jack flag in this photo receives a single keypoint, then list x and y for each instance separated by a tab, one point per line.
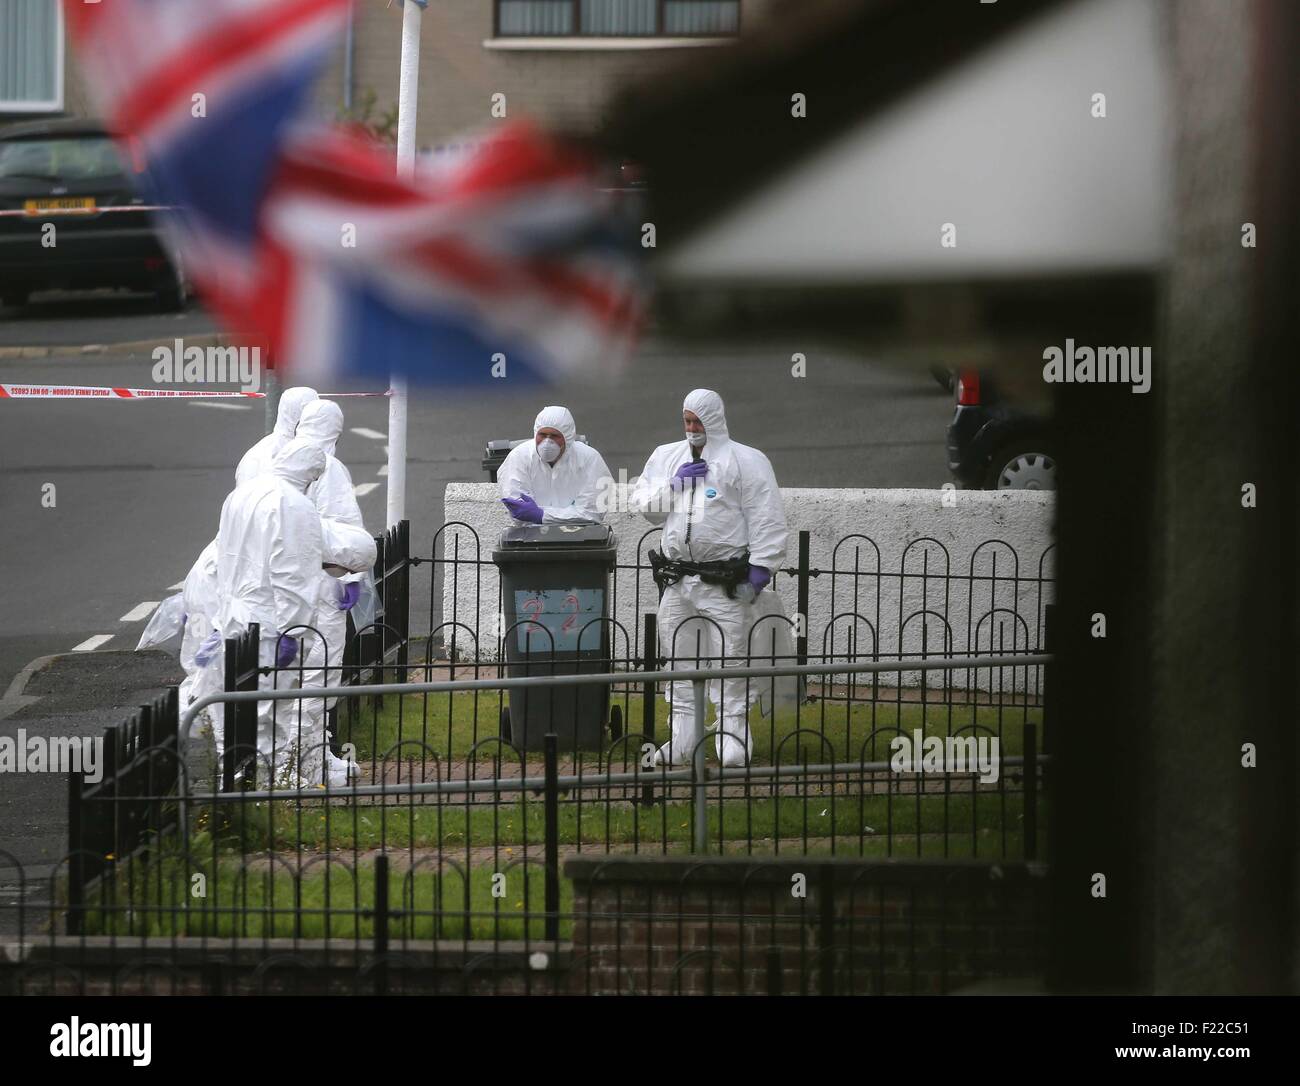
302	234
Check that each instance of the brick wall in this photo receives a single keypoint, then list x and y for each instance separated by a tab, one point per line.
458	75
730	926
642	926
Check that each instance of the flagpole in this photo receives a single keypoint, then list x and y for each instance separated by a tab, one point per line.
408	86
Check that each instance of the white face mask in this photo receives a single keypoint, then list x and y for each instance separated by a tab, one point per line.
695	439
549	451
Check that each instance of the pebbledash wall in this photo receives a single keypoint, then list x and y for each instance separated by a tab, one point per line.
949	571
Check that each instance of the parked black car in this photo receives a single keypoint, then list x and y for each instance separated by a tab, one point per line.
69	173
994	445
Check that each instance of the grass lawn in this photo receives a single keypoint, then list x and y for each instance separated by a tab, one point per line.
307	869
317	900
267	884
448	726
859	823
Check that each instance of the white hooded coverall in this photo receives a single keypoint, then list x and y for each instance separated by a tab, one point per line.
201	606
735	508
257	461
568	491
200	591
269	571
344	542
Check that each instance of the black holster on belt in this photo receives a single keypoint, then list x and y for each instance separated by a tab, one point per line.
728	573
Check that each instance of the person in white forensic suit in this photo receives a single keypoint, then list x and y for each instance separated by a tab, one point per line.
258	459
201	648
201	654
724	535
349	554
555	478
269	572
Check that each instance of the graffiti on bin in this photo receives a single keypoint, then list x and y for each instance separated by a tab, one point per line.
565	612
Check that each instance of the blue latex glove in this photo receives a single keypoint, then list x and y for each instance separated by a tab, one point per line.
692	469
286	650
351	593
208	650
524	508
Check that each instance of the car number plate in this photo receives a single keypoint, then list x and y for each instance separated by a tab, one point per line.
46	204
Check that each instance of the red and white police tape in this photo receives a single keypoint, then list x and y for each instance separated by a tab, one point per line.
90	392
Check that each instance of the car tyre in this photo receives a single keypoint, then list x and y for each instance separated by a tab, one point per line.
1023	465
173	293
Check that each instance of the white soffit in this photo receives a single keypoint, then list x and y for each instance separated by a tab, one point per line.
1005	147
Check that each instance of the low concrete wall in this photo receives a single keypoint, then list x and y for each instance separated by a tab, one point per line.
894	571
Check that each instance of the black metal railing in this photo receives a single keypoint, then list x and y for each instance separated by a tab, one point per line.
848	599
118	818
276	863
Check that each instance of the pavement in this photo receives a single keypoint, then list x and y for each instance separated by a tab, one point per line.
72	694
107	503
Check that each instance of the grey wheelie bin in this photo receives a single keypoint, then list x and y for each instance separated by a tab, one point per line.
555	601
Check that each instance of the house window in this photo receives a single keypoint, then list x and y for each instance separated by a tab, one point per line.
616	18
31	56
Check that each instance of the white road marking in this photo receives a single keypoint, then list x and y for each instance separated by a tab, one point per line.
383	470
141	610
177	587
362	489
374	435
219	406
92	643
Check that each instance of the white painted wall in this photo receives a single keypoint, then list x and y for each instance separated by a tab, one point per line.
989	598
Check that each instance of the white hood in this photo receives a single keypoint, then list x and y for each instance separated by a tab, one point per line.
291	407
708	407
321	424
300	462
556	418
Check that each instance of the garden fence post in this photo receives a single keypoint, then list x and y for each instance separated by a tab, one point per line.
1031	791
552	833
381	924
701	837
75	878
650	662
801	640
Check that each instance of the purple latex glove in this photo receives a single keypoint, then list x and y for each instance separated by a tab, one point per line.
692	469
524	508
759	577
351	593
209	649
286	650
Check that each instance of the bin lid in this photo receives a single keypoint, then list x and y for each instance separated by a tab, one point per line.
556	542
548	535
